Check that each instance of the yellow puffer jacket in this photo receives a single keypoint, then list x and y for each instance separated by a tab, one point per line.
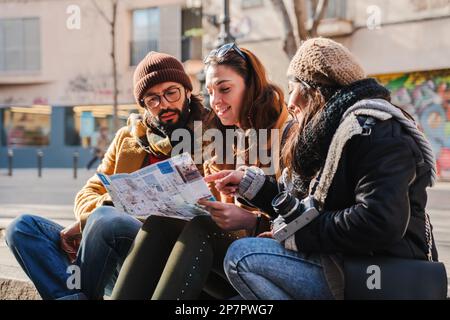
124	155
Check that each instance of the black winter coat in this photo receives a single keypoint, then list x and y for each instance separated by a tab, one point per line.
376	203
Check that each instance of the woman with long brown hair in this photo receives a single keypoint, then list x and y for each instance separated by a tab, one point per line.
174	259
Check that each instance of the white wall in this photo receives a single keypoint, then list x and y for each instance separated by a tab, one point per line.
76	64
416	46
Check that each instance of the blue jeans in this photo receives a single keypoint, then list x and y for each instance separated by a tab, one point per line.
107	238
261	268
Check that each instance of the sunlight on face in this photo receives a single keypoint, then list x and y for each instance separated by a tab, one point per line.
226	89
297	99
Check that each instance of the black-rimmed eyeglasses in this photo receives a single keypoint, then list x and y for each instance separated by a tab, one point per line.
154	100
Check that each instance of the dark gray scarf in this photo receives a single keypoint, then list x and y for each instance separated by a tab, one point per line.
311	147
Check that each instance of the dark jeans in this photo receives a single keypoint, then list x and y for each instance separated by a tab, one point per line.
107	238
175	259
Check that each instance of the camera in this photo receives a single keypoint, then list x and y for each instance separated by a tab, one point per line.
293	214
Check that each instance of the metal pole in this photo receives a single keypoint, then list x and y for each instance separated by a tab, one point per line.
10	162
40	154
75	164
225	35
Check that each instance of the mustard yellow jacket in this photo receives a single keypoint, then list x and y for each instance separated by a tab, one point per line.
124	155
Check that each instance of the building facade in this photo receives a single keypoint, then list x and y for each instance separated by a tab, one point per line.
403	43
56	84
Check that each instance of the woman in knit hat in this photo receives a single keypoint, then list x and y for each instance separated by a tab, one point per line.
364	163
242	98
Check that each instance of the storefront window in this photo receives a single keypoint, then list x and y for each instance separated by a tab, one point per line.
27	126
83	123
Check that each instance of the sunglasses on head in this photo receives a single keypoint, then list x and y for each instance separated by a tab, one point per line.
223	50
302	82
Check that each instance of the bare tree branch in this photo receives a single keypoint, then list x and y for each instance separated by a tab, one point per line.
114	62
301	17
318	16
318	9
101	12
313	7
112	24
289	43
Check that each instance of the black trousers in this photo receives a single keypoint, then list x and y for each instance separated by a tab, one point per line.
175	259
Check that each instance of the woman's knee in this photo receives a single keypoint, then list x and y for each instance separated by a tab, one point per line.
240	249
235	253
202	224
163	224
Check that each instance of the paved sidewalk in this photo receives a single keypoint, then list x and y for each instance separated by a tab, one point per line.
52	196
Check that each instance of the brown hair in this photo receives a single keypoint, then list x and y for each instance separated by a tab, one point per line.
196	106
311	113
263	101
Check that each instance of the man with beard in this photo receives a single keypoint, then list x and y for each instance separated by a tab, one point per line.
82	261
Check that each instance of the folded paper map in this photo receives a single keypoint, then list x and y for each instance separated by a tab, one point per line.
167	188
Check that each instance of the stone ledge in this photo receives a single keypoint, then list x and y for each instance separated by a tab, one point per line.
13	289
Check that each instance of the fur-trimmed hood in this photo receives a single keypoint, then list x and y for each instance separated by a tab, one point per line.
136	125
